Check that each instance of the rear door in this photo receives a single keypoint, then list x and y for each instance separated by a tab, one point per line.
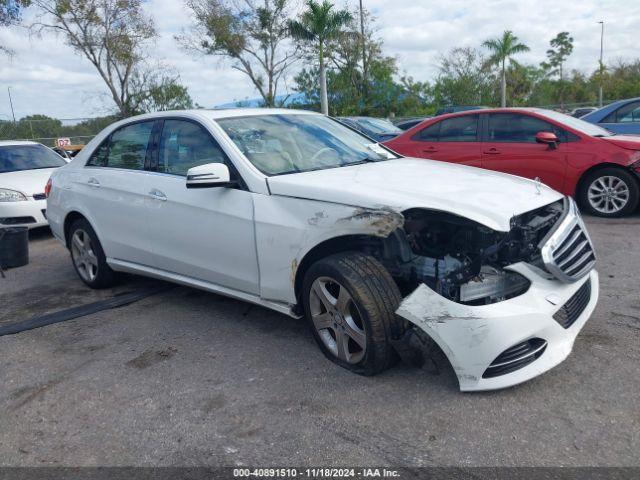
454	139
112	188
510	146
203	233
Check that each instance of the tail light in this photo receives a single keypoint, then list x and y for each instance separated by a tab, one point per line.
47	188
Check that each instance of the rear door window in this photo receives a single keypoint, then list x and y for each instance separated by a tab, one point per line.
457	129
126	147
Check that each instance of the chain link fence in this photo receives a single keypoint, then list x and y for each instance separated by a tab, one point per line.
47	131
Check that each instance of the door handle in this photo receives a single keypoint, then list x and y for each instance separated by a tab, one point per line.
157	195
93	182
492	151
429	150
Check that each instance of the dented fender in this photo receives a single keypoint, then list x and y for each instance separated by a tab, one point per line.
288	228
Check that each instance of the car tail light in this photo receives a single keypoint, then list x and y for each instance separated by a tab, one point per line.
47	188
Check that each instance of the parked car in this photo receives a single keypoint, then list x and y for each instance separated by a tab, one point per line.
599	169
621	117
407	123
296	212
458	108
68	152
582	111
25	168
379	129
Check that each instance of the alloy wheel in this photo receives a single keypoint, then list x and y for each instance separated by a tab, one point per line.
608	194
84	258
337	320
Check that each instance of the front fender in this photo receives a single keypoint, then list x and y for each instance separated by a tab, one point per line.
288	228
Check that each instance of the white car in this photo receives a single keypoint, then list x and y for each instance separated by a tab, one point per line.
295	212
25	168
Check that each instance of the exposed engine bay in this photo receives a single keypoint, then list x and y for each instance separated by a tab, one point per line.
465	261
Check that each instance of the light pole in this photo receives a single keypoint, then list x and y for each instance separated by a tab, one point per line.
11	103
601	65
364	52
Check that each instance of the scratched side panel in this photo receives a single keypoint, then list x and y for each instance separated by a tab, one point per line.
287	228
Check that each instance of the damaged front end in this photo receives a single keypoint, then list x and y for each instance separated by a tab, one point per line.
463	260
490	299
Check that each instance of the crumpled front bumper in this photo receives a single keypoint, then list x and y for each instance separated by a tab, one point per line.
474	336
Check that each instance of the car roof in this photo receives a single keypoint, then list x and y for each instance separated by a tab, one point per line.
16	143
218	113
601	113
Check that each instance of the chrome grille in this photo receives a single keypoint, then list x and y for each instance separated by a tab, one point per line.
568	253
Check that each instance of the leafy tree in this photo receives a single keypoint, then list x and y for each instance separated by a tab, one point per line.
11	14
161	93
252	34
464	79
317	25
11	11
502	49
561	48
111	34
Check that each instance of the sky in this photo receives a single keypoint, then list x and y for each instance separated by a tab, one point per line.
48	77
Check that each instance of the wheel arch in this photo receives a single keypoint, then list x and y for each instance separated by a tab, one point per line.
68	221
595	168
328	247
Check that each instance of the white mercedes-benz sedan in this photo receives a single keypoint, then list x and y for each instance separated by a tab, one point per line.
25	168
384	256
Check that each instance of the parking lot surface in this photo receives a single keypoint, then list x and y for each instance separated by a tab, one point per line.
191	378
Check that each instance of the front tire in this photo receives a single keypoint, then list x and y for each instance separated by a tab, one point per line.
350	302
609	192
88	257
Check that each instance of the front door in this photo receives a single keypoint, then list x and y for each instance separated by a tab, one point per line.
510	146
206	234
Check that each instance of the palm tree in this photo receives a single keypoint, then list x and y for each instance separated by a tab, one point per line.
501	50
318	24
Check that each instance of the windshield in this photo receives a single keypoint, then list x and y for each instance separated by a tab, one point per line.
577	124
280	144
15	158
378	125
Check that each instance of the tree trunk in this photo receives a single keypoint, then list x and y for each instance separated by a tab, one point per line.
503	87
324	101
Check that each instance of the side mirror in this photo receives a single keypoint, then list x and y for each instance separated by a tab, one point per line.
208	176
548	138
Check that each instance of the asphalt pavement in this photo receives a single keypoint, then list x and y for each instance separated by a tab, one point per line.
186	377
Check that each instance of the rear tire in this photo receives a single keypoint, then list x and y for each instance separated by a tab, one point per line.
609	192
87	256
350	301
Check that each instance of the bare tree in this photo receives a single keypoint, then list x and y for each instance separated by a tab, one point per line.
251	33
111	34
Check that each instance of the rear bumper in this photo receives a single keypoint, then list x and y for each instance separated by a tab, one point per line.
29	213
473	337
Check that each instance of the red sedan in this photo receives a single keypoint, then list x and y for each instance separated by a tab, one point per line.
600	169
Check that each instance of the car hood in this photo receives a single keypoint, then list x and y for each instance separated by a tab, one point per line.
630	142
487	197
28	182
